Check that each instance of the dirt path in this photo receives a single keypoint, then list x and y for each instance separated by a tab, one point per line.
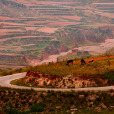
5	82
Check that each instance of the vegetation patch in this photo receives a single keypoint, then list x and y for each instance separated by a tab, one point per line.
99	72
39	107
29	101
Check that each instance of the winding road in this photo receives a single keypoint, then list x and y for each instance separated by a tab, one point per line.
5	82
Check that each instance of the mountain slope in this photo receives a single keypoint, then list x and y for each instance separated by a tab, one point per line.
38	28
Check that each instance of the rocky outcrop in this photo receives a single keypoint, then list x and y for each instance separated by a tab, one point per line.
69	81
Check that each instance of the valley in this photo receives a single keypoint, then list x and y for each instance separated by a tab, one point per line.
56	56
32	31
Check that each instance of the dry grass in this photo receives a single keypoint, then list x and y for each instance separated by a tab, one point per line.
98	67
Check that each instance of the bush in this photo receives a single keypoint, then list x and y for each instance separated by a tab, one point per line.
109	75
39	107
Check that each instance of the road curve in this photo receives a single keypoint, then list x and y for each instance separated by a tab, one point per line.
5	82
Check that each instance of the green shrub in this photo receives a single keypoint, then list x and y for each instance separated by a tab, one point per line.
39	107
109	75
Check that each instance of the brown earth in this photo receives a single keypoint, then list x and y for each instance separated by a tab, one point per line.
69	81
30	15
95	59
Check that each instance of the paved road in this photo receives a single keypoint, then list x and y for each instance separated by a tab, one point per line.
5	82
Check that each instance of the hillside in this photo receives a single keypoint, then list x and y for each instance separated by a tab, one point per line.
36	29
26	102
98	71
110	51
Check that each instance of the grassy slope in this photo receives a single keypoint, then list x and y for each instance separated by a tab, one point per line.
102	66
25	101
110	51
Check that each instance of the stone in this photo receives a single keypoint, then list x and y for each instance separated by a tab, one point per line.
74	109
112	94
103	106
81	96
98	109
58	107
111	107
92	97
91	103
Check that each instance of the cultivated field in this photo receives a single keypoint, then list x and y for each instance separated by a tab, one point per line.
24	22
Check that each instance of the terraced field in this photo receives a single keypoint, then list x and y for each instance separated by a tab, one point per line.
35	29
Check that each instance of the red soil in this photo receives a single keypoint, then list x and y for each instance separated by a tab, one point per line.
72	17
24	36
2	33
8	54
31	28
5	39
91	77
19	48
62	23
9	23
39	75
95	59
6	18
10	30
17	37
31	22
48	30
